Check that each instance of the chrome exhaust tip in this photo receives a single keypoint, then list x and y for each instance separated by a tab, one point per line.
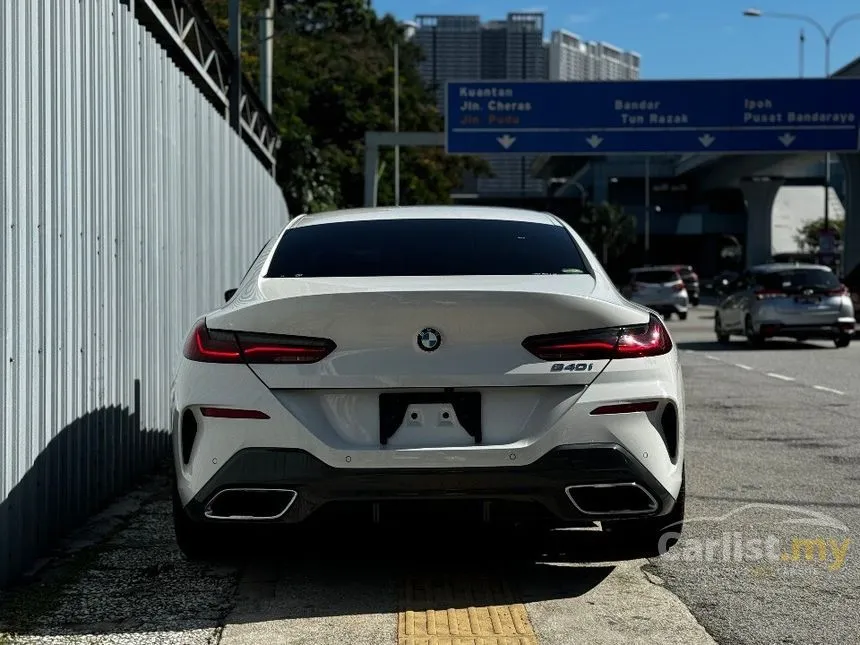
250	504
627	498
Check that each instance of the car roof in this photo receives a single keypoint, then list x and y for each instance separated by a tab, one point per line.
787	266
667	267
425	212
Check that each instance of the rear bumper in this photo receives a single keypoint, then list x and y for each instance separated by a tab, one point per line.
825	331
539	491
673	305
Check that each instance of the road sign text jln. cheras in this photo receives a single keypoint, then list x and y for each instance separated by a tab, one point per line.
629	117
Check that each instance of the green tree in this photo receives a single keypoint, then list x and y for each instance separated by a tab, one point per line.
808	236
608	229
333	80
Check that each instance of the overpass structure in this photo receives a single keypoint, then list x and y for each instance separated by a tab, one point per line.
720	170
131	198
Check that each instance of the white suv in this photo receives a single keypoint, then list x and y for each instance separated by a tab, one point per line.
660	289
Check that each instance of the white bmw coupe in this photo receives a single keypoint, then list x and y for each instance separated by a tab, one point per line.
475	359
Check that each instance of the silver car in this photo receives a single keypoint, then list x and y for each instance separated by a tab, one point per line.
800	301
660	289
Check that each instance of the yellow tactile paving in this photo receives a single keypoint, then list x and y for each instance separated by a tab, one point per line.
461	610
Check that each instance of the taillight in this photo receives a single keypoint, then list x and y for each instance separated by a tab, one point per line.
206	345
766	294
217	346
678	287
841	291
650	339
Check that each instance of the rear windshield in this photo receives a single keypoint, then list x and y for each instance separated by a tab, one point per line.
655	277
425	247
797	279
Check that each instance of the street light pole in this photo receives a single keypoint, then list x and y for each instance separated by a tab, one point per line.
266	26
801	53
234	17
647	210
828	38
397	123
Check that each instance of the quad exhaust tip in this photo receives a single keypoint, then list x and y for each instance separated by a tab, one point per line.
250	504
626	498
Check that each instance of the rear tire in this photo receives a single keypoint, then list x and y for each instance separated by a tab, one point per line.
197	541
754	339
844	340
722	337
694	302
682	315
646	536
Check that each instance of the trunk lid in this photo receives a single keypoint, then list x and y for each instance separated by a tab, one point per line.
375	323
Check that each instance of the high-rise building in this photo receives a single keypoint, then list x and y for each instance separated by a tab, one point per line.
573	59
452	50
460	48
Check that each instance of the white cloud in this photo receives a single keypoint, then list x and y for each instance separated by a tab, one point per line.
581	18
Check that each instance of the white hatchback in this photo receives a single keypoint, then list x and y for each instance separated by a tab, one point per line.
800	301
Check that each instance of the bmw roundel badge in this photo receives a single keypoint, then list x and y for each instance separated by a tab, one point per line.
429	339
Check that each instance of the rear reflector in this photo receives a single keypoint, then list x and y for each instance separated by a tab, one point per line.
637	341
626	408
768	294
206	345
233	413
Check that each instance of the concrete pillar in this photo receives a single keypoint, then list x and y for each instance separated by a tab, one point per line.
759	197
851	241
600	190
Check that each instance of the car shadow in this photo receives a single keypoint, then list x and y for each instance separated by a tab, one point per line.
714	347
137	581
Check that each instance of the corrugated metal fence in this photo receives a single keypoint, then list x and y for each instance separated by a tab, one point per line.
128	206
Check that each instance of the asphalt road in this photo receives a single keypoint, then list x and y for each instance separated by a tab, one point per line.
769	427
763	452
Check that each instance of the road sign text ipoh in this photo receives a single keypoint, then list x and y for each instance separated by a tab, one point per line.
628	117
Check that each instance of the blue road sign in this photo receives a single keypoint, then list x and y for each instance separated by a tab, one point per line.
629	117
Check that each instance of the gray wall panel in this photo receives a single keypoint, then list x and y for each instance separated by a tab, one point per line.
128	205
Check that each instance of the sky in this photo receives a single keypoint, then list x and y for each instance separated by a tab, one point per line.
684	38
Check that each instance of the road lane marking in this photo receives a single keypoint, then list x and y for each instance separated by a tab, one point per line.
781	377
462	609
822	388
